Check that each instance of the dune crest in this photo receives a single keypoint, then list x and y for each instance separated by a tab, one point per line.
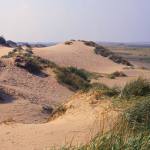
78	55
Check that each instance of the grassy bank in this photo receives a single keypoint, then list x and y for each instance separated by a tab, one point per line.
132	131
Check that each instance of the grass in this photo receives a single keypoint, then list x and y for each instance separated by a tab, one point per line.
139	115
102	90
100	50
74	78
59	111
139	87
132	130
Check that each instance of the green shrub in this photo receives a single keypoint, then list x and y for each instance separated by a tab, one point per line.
139	115
139	87
115	141
33	66
121	137
101	89
80	72
73	79
115	91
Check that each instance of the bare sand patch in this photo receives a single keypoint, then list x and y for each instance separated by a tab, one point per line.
78	125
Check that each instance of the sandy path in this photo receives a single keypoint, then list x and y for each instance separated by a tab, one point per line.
76	126
78	55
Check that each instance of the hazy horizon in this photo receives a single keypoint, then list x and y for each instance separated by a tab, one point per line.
60	20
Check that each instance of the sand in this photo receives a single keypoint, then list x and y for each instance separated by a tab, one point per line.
4	50
78	55
23	126
26	94
78	125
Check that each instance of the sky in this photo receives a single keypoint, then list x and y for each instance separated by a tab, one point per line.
60	20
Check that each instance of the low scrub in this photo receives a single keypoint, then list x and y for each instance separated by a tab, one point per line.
117	74
74	78
59	111
68	42
132	130
33	63
89	43
139	87
15	52
80	72
139	115
103	90
100	50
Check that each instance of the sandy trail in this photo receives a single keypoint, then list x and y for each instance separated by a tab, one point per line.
76	126
78	55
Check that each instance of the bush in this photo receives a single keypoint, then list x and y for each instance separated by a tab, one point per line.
24	58
139	115
117	74
33	66
68	43
80	72
102	89
139	87
73	78
99	87
100	50
89	43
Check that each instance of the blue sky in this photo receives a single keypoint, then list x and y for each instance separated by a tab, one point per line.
60	20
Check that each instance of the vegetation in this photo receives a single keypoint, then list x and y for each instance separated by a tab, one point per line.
102	90
116	74
76	79
132	131
139	87
90	43
68	42
139	115
59	111
100	50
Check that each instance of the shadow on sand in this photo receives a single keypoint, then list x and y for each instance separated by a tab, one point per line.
5	98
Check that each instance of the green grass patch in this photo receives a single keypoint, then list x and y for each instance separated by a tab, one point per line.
76	79
139	87
139	115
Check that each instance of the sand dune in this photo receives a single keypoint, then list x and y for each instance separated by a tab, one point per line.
78	55
80	123
28	93
23	125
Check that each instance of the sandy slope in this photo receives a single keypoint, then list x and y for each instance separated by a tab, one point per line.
132	74
78	55
27	93
4	50
81	119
